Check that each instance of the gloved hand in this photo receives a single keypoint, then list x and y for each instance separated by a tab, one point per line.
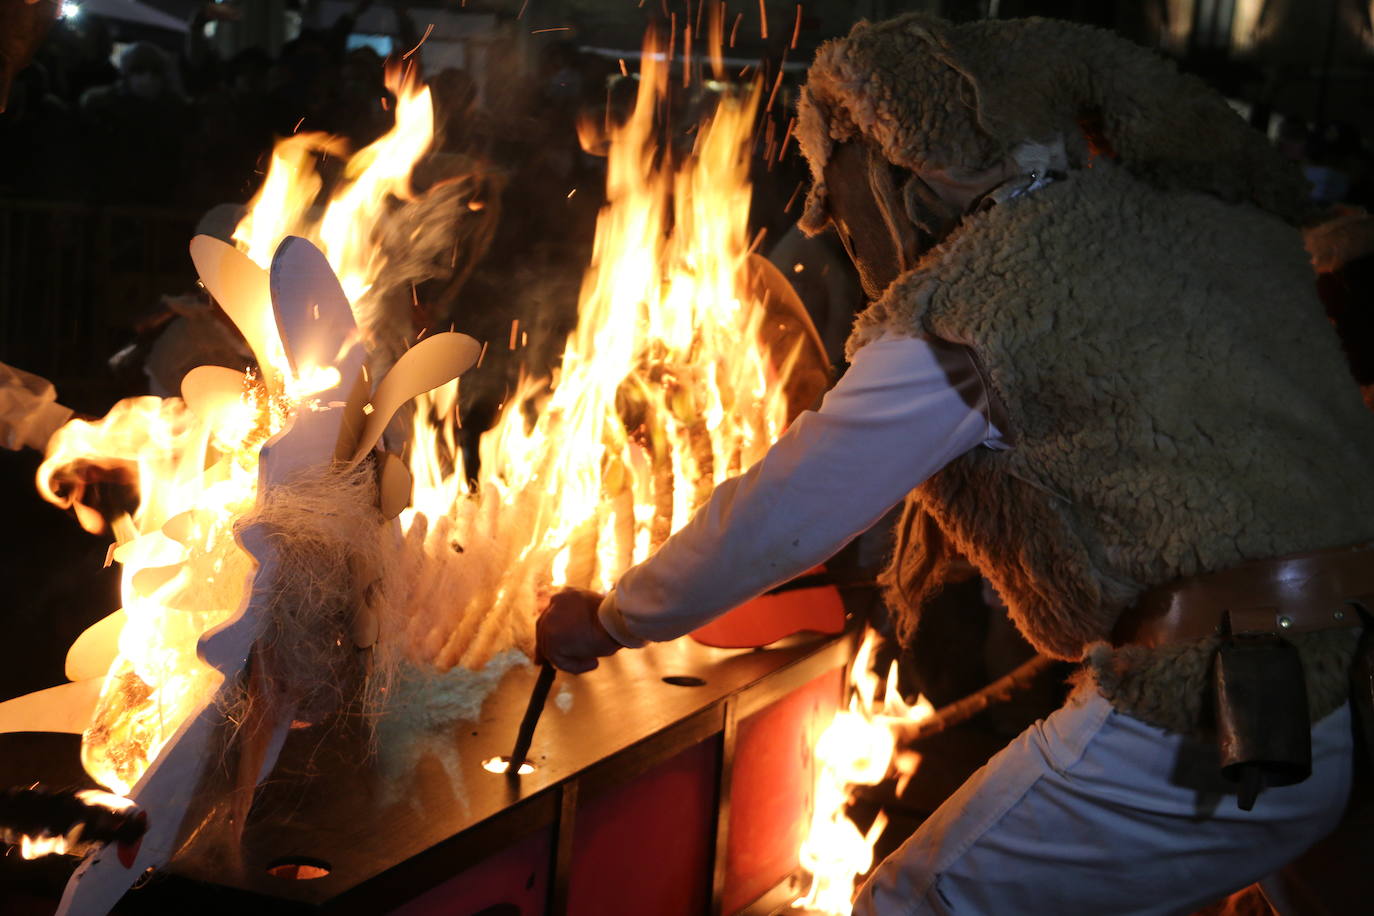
569	635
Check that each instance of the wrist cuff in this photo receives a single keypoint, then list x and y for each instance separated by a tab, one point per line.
614	622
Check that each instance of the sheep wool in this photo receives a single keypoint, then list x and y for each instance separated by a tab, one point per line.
1176	404
1147	329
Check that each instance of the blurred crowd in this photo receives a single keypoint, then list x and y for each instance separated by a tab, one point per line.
177	127
160	127
174	124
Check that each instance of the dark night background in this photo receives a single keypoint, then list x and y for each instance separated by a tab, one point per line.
136	118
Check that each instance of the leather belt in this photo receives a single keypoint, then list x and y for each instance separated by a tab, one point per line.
1297	593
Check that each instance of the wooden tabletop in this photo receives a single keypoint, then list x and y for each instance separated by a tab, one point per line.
330	801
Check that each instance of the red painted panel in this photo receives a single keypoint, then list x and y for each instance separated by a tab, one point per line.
644	848
771	788
517	876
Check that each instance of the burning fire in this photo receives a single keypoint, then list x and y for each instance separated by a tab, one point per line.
182	573
197	470
663	392
34	847
856	749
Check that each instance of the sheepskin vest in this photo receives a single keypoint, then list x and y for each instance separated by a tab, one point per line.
1176	403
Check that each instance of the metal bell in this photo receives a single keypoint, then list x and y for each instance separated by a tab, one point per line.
1264	733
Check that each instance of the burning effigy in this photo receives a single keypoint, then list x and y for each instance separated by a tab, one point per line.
308	542
331	589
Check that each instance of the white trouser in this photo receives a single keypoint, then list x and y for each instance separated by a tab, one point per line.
1092	811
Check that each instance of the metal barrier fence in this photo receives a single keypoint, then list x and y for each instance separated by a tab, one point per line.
76	279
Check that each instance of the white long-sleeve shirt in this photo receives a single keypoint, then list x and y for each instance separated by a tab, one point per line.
906	407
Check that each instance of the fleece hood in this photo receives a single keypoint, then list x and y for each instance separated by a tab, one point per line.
956	100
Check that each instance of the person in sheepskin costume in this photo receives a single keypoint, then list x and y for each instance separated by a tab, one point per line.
1095	364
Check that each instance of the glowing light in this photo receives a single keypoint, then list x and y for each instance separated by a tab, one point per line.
663	391
856	749
36	847
69	10
502	765
174	591
105	800
312	381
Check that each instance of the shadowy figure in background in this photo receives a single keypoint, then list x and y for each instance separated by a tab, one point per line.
232	139
299	86
140	124
23	25
361	107
40	156
525	145
83	49
461	126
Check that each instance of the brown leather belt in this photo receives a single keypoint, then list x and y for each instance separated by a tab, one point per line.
1290	594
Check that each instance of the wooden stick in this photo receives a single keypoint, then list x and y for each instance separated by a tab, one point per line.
525	735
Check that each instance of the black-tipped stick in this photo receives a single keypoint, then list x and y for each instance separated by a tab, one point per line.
36	811
538	698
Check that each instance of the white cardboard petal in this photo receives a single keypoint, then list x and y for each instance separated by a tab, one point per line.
241	289
212	391
96	648
394	486
66	708
432	362
312	313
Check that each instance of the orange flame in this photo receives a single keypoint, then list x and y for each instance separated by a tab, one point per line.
31	847
183	574
856	749
663	392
